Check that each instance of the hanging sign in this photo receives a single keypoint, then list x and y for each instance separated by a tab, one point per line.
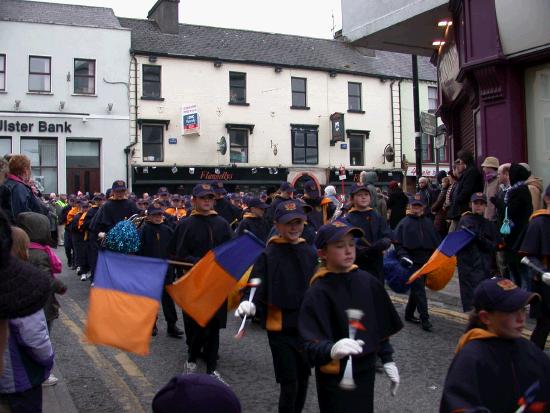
190	120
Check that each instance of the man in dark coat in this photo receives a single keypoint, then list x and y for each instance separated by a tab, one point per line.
469	182
397	204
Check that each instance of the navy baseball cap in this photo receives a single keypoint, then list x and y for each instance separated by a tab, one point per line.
310	188
257	203
195	393
176	197
501	294
142	201
119	186
163	191
335	231
417	199
358	186
478	196
153	210
201	190
288	210
218	187
286	187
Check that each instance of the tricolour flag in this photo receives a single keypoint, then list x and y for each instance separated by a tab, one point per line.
439	269
125	300
202	291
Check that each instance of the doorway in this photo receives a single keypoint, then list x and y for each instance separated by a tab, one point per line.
83	166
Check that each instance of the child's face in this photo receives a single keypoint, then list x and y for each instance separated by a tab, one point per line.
339	255
505	325
155	218
292	230
204	203
478	207
361	199
417	210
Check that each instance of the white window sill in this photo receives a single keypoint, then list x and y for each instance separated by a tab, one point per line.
84	95
40	93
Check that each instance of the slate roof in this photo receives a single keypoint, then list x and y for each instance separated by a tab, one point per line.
53	13
245	46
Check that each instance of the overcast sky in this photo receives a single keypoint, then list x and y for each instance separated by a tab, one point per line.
312	18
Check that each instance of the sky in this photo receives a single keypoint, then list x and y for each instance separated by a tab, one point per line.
311	18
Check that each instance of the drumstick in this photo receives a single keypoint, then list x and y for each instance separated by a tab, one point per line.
254	283
354	318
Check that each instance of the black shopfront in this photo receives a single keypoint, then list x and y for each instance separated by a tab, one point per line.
182	179
352	176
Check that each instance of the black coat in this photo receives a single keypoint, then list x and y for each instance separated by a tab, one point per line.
416	238
258	226
18	197
112	212
228	211
397	203
154	239
470	182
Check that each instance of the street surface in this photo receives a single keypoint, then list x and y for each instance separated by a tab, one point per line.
101	379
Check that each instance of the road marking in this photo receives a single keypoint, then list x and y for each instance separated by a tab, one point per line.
116	384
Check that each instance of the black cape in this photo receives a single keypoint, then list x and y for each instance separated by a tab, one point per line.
112	212
258	226
228	211
154	239
493	373
416	238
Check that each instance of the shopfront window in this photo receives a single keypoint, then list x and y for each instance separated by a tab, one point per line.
5	145
43	156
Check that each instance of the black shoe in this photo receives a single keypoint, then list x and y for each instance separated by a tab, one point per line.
412	319
155	331
427	326
174	332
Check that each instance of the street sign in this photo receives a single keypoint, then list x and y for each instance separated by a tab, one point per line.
439	141
429	123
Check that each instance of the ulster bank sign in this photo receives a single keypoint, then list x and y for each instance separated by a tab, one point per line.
40	127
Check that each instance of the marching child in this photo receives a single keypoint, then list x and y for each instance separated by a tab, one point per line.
495	369
475	260
337	286
285	268
254	221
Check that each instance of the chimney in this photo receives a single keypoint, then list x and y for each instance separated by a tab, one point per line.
165	14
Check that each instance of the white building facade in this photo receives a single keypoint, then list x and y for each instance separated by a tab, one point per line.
64	93
254	109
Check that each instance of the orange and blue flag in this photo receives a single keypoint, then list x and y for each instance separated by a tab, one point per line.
202	291
439	269
125	300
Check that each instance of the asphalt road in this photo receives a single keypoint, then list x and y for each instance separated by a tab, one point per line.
101	379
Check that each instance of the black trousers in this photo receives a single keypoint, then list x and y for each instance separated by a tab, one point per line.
68	245
168	306
80	247
208	338
29	401
417	300
93	251
332	399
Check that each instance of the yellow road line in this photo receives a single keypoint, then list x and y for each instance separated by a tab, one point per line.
116	385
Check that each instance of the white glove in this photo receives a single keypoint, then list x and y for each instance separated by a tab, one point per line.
346	347
546	278
245	308
101	235
393	374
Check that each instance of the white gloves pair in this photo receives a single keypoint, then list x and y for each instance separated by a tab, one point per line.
245	308
348	347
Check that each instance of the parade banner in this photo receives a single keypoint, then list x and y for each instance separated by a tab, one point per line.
440	267
125	300
202	291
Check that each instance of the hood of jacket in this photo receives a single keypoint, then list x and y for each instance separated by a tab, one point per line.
37	227
534	181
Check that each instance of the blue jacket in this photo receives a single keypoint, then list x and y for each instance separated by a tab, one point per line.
29	357
17	198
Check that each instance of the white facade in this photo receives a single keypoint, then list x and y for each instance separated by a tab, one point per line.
268	109
95	127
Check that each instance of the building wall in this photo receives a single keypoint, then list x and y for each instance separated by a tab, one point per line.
89	116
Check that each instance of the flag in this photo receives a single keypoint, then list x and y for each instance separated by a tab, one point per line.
439	269
202	291
125	300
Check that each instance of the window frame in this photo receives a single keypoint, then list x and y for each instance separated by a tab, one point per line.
161	143
431	153
3	71
362	138
306	146
143	95
56	167
445	147
360	96
7	138
93	76
431	99
232	145
234	102
293	92
49	74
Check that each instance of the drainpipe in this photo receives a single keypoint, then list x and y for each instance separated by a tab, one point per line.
128	150
392	119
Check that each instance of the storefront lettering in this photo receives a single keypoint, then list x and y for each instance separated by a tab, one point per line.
43	126
223	176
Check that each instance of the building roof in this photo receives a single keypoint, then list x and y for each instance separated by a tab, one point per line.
215	43
54	13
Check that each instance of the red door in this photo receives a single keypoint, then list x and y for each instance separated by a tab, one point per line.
83	179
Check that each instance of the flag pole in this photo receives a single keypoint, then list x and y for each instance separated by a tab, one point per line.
180	263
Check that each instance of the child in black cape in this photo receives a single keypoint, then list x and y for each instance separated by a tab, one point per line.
285	268
475	261
336	287
495	369
254	220
536	246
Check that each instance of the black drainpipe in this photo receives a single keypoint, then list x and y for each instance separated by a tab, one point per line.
128	149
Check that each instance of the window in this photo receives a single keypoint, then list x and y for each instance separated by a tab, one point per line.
299	99
43	156
237	87
442	153
5	145
84	76
151	81
304	147
152	143
356	150
238	146
432	98
2	72
427	148
354	97
40	74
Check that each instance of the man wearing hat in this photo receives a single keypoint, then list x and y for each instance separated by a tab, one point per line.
475	260
194	236
254	221
415	241
223	207
490	176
